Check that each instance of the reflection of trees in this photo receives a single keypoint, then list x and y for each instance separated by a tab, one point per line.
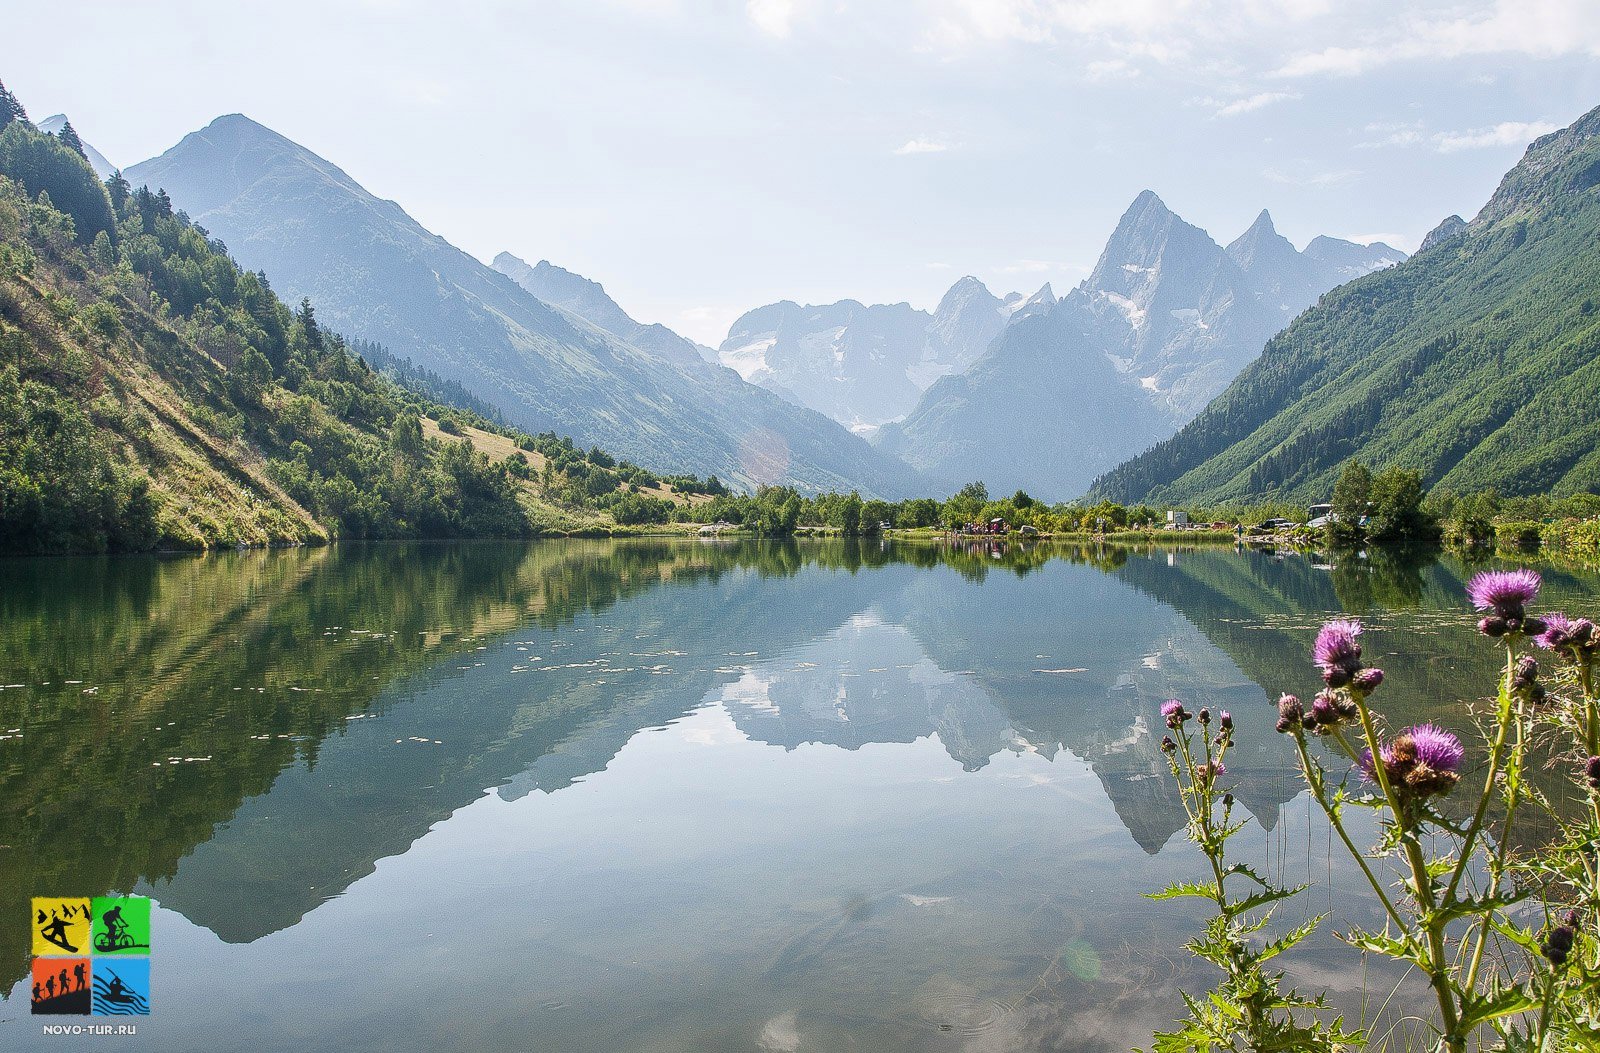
1385	579
254	660
251	661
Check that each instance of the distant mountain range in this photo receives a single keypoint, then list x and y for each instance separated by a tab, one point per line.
376	274
867	365
1476	361
1167	318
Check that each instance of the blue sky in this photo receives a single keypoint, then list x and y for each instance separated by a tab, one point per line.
702	157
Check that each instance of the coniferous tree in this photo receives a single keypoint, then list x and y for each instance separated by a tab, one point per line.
117	187
69	138
10	109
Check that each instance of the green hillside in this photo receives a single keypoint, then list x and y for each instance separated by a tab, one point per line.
155	395
1474	361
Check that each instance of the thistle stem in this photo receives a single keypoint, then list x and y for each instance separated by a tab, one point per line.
1319	791
1423	885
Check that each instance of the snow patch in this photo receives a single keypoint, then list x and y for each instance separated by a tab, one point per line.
1130	310
748	359
1149	383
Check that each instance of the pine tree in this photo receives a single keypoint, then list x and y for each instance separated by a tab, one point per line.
119	190
10	108
69	138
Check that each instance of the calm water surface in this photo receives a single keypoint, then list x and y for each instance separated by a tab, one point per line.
674	795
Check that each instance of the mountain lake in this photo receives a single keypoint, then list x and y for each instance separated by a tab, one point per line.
671	795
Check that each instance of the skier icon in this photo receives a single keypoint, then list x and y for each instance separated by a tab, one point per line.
56	932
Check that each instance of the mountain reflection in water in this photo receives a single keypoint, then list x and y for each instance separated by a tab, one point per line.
740	795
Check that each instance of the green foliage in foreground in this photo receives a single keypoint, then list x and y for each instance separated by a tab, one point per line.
1508	939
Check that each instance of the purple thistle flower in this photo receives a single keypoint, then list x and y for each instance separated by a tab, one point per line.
1437	748
1506	592
1171	707
1420	761
1336	645
1557	630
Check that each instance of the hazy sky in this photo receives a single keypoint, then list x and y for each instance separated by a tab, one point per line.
702	157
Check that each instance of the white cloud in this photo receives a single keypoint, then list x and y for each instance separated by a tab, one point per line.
1539	28
1117	32
1254	102
1506	133
1037	267
1305	175
1110	69
773	17
922	146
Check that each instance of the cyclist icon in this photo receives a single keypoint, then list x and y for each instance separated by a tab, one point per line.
116	936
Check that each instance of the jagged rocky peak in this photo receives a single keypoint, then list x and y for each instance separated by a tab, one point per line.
1018	306
1554	166
1449	228
967	319
1261	246
563	288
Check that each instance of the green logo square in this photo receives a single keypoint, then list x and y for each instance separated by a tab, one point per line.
121	925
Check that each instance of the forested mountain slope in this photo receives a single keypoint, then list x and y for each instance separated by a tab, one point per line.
155	395
1474	361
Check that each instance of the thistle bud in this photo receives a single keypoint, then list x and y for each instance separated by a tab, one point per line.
1290	713
1493	626
1167	745
1592	773
1205	715
1367	680
1226	721
1559	944
1227	799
